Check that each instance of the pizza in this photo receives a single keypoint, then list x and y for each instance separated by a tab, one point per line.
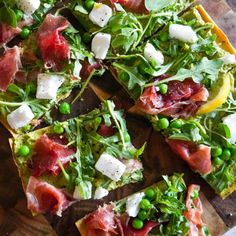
81	158
165	208
176	65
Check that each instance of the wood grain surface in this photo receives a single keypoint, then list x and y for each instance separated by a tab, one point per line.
16	220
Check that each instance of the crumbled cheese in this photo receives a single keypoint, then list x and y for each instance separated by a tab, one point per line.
100	193
230	121
229	59
132	204
28	6
153	55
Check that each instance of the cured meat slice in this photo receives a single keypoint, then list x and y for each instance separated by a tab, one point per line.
48	152
133	5
194	211
53	46
106	131
7	33
183	99
198	157
9	66
42	197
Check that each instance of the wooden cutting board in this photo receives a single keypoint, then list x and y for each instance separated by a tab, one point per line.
16	220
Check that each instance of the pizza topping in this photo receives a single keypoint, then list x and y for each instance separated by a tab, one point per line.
48	85
9	66
110	167
28	6
53	46
230	121
100	221
101	14
182	99
133	5
48	153
7	33
132	204
194	210
198	157
100	45
106	131
183	33
153	55
229	59
20	117
100	192
79	192
42	197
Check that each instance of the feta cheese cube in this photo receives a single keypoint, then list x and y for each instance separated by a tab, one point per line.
101	14
83	191
110	166
100	193
132	204
183	33
153	55
229	59
100	45
20	117
48	85
28	6
230	121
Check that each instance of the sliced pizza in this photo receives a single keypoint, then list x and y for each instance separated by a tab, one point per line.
41	71
111	29
165	208
20	17
81	158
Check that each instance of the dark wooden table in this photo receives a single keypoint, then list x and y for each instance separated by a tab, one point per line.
16	220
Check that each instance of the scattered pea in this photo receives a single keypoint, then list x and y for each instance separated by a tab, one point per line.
64	108
137	223
89	4
163	123
142	215
19	14
218	161
176	124
25	32
145	204
163	88
216	151
58	129
226	154
24	151
150	193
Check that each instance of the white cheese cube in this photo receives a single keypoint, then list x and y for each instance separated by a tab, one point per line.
230	121
83	191
229	59
110	166
100	45
101	14
100	193
20	117
28	6
153	55
183	33
132	204
48	85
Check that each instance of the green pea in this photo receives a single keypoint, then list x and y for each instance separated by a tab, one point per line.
216	151
24	151
176	124
137	223
218	161
163	36
87	37
64	108
142	215
226	154
145	204
89	4
25	32
163	123
58	129
195	194
19	14
127	137
163	88
150	193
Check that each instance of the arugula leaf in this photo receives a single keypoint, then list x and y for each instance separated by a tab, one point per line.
7	15
157	5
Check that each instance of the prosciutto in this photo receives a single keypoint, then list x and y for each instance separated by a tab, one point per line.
183	99
48	152
53	46
42	197
137	6
7	33
194	211
106	131
10	64
198	157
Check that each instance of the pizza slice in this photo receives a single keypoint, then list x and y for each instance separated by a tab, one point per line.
19	17
81	158
41	71
165	208
111	29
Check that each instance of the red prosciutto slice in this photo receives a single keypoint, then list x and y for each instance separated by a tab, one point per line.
48	152
42	197
194	211
183	99
9	66
7	33
101	222
133	5
198	157
106	131
53	46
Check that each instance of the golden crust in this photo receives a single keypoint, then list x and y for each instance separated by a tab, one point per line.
81	227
